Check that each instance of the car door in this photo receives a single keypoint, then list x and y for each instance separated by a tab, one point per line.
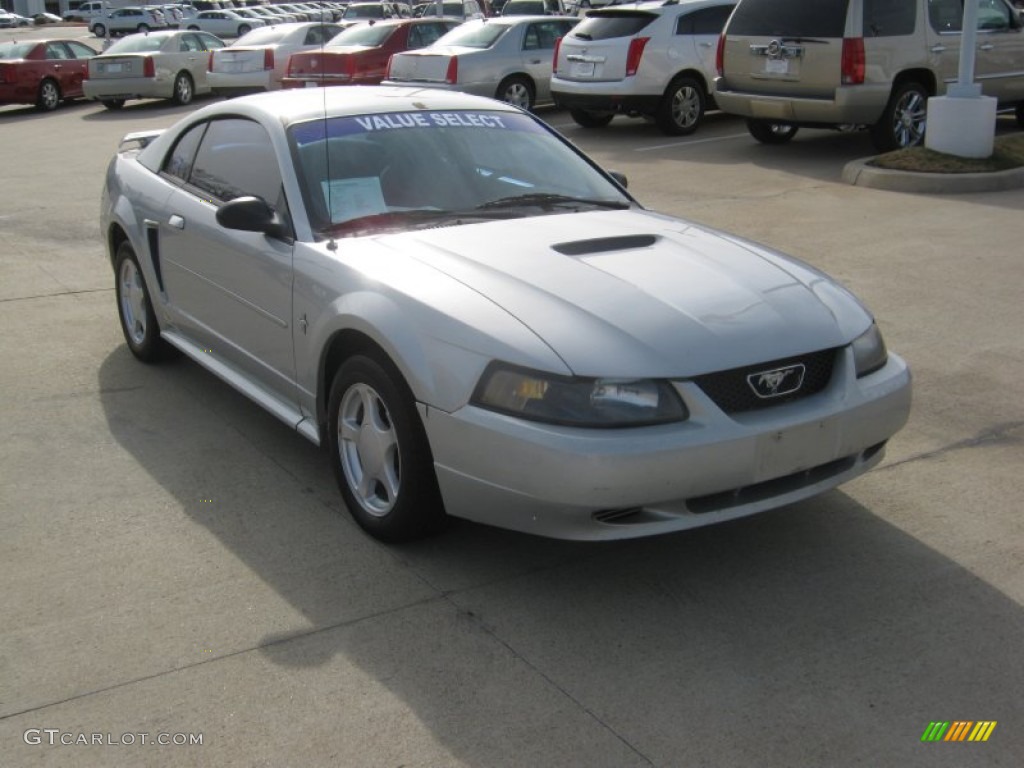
538	47
199	46
999	64
60	65
229	291
78	67
696	35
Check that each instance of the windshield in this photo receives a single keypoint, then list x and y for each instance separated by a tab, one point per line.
364	12
261	36
137	44
364	35
15	50
474	35
400	170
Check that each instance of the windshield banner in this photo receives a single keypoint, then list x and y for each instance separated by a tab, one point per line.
392	121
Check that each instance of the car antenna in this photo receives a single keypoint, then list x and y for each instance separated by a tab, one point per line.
332	244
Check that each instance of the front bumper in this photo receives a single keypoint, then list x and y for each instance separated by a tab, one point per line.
615	484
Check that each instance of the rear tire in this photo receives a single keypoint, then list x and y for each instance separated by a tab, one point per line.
49	96
99	30
193	27
183	89
767	132
682	107
135	309
142	28
244	29
380	454
586	119
517	91
903	122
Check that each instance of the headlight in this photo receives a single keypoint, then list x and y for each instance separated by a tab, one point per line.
577	402
869	352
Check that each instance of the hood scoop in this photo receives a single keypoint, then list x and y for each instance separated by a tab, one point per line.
604	244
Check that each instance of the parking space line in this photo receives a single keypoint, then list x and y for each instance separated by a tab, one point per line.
690	143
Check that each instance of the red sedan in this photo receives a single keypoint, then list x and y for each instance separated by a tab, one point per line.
42	72
360	54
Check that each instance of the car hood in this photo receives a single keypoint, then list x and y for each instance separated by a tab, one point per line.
633	293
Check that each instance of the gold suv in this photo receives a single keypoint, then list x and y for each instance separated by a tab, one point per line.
783	64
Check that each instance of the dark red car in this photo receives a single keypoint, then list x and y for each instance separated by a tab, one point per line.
42	72
360	54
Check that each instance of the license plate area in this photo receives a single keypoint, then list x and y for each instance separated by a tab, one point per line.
776	66
582	69
785	451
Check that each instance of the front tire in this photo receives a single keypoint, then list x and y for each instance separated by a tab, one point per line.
380	454
681	108
586	119
99	30
517	91
768	132
135	309
193	28
903	122
243	29
49	96
183	90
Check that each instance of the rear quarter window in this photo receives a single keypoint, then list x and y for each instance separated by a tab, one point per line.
605	25
789	18
706	21
889	18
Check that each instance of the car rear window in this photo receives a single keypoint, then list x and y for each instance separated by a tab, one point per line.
363	35
604	25
475	35
789	18
262	36
137	44
10	51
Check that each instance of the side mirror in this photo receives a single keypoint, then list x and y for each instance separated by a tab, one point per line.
252	214
620	177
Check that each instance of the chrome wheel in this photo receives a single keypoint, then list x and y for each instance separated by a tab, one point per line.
133	301
908	119
49	96
517	92
681	108
183	89
368	449
686	106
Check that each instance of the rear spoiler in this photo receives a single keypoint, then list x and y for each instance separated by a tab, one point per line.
138	140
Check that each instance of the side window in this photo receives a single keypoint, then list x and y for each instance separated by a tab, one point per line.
208	42
889	18
415	37
431	32
80	51
945	15
179	162
236	159
531	40
190	43
993	14
707	21
57	51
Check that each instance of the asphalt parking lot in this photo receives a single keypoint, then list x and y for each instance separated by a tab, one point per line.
176	562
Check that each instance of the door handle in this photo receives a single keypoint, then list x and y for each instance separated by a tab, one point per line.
986	47
176	221
938	49
707	45
535	61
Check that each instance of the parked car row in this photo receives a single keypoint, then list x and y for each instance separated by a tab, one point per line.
774	62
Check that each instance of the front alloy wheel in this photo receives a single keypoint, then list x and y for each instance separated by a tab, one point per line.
380	454
135	310
903	122
517	92
182	89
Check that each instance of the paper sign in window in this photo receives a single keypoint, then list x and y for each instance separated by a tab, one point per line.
353	198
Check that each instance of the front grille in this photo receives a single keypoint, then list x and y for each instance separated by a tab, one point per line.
731	391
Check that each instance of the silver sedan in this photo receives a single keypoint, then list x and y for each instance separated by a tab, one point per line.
224	23
476	321
508	59
158	65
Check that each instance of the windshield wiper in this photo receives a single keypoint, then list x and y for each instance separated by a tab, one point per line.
414	218
550	200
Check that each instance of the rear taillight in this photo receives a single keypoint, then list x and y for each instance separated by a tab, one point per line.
149	67
209	63
452	75
853	61
636	50
268	58
8	74
554	61
720	56
387	72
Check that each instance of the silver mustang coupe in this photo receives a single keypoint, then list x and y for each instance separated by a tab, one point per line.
477	321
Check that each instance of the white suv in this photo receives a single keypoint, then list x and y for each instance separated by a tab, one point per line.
645	60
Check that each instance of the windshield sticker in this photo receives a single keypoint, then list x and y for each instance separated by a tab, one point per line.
390	121
352	198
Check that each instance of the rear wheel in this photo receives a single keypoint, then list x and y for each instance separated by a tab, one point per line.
380	454
135	310
183	92
768	132
49	95
517	91
681	108
590	119
99	30
243	29
193	27
903	122
112	103
142	28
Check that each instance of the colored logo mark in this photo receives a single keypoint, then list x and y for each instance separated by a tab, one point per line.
959	730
